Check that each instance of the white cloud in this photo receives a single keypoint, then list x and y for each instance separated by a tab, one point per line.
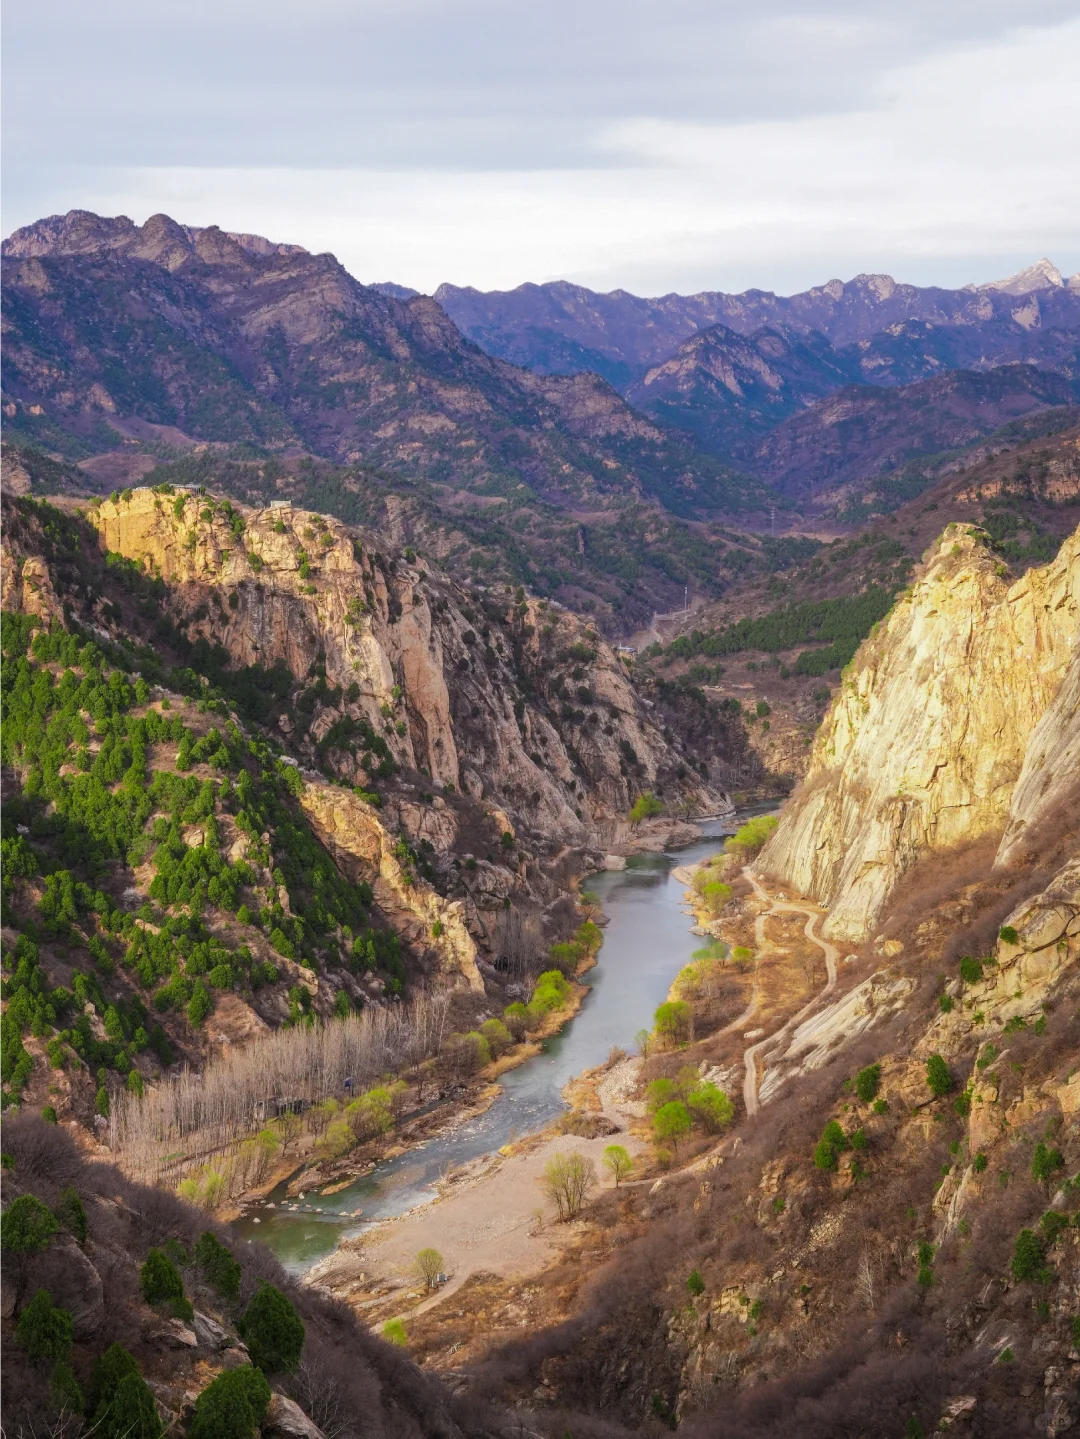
959	165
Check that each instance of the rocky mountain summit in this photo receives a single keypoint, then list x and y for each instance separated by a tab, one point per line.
558	326
926	747
1043	275
112	327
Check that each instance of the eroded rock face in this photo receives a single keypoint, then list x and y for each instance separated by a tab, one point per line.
1047	930
401	644
926	741
353	833
210	1334
1051	763
815	1040
26	586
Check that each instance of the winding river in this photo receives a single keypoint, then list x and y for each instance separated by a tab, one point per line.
647	940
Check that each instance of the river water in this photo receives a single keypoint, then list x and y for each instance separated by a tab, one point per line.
646	942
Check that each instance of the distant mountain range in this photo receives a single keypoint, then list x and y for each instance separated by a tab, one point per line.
731	369
560	327
119	336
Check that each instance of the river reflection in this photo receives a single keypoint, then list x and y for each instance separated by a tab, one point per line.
646	943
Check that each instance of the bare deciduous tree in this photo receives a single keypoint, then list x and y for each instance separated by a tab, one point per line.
808	963
520	942
567	1180
319	1395
183	1122
864	1280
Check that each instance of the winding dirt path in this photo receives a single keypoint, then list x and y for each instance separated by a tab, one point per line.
832	959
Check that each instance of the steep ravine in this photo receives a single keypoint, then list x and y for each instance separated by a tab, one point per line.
518	736
504	738
776	1285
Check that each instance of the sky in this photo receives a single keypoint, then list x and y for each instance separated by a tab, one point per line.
688	145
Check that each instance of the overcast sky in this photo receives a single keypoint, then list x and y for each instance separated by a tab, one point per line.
683	145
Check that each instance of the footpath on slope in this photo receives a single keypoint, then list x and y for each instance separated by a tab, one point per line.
832	958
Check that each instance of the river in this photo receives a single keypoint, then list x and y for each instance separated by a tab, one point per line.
647	940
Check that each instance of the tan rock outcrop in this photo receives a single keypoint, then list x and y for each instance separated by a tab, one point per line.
926	740
26	586
1047	929
813	1043
1051	769
354	835
287	586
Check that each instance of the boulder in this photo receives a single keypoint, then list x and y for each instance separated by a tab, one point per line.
286	1419
962	1407
211	1334
236	1357
173	1333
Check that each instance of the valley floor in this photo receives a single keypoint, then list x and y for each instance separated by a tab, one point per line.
492	1218
492	1221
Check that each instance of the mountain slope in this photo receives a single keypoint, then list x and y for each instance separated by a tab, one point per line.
448	757
886	1239
864	431
922	748
725	387
109	326
347	1380
727	368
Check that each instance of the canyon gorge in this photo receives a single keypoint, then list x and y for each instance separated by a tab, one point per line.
449	739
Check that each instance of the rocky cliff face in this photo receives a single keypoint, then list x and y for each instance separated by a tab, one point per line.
360	843
1051	769
518	706
924	746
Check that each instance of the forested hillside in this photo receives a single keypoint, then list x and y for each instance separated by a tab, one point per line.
175	881
128	1313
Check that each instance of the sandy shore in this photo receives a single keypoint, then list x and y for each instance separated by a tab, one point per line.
494	1218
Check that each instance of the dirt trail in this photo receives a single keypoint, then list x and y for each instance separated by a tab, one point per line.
832	959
